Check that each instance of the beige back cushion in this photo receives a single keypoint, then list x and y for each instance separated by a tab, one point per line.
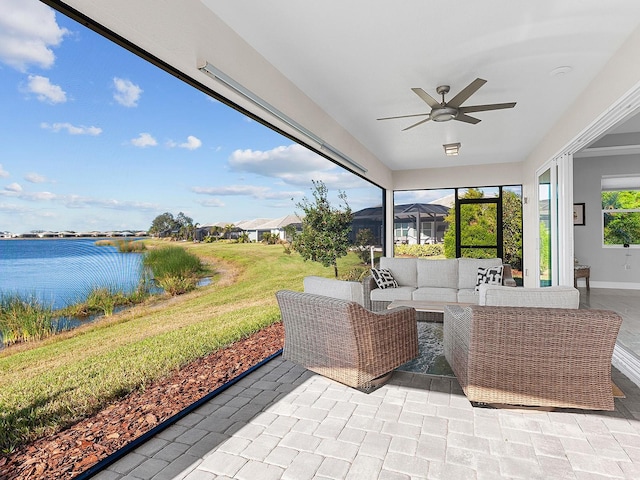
402	269
341	289
438	273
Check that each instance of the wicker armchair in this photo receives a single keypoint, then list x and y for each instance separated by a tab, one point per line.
532	356
345	342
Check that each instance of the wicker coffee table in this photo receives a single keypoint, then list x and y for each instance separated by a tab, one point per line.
427	311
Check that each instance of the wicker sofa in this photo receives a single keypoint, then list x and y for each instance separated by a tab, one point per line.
551	357
345	342
448	280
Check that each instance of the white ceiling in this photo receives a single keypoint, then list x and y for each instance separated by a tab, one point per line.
359	59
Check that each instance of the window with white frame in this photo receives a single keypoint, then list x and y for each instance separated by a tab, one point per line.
401	229
621	210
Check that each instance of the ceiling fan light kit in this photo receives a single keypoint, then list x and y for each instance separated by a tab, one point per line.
452	110
443	114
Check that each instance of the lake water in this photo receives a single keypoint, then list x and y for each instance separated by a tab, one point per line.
60	272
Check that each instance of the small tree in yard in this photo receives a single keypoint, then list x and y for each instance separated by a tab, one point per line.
325	230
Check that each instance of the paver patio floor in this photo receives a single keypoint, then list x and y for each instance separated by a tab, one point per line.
282	421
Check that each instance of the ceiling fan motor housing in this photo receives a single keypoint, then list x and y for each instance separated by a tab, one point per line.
443	114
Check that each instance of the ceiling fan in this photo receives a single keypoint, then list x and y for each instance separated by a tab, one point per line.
453	109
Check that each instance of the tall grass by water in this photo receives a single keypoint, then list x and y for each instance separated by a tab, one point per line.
24	319
50	385
124	246
104	301
174	269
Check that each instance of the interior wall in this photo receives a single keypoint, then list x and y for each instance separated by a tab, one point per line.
619	78
607	263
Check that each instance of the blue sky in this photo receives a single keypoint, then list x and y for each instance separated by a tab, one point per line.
94	138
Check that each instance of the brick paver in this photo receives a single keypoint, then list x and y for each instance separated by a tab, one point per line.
285	422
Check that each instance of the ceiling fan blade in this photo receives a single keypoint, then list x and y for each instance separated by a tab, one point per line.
467	119
466	92
416	124
483	108
403	116
432	102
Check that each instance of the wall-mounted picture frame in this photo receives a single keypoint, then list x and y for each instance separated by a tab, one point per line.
578	213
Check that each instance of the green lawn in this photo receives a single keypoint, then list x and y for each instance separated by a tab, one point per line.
56	382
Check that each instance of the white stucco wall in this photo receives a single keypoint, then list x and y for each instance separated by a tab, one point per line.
466	176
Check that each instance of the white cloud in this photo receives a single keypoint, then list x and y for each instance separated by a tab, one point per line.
45	91
212	202
74	201
35	178
35	196
144	140
72	129
3	172
13	187
335	179
294	165
253	191
127	93
192	143
28	31
230	190
11	208
278	161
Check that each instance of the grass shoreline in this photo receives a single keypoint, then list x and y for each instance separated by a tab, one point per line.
61	380
172	269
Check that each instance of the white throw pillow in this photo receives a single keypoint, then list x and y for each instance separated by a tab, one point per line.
383	278
489	275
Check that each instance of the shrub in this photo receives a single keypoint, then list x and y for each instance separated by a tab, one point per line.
355	274
429	250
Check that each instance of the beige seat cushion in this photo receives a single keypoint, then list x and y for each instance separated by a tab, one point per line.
469	295
391	294
550	297
435	294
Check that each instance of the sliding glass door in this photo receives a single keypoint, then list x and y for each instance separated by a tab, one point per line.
546	216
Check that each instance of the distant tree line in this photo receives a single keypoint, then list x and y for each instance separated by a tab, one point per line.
180	227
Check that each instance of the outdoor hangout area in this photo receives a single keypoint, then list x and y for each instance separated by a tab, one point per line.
531	395
420	223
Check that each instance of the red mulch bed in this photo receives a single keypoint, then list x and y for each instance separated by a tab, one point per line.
74	450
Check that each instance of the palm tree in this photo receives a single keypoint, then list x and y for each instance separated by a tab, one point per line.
228	228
